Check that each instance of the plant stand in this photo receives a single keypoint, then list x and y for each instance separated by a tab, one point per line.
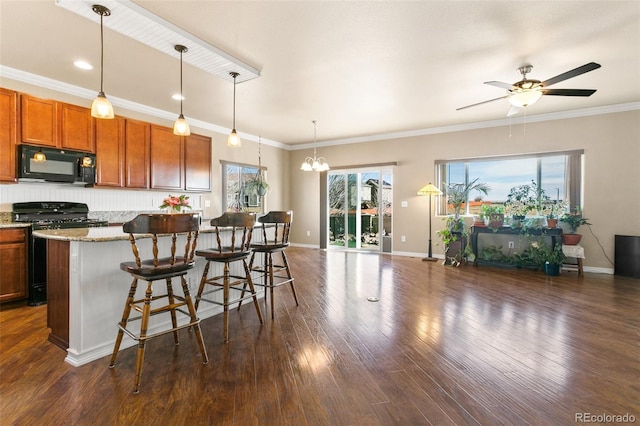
454	254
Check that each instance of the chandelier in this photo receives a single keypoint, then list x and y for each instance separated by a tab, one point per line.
315	164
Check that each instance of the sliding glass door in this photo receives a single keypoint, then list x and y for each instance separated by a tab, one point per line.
360	209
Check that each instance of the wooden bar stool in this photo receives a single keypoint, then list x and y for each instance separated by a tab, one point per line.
154	269
233	247
275	239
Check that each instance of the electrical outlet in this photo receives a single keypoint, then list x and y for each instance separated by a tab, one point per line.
308	233
512	244
403	239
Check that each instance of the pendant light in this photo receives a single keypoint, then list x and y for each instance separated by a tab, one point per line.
181	127
101	107
233	139
315	164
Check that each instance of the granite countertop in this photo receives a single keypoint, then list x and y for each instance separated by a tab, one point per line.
14	225
104	234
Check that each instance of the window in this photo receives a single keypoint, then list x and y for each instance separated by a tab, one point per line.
559	174
239	192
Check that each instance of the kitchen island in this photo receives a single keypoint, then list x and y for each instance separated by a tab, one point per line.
87	290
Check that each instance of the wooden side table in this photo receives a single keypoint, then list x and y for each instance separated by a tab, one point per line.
576	251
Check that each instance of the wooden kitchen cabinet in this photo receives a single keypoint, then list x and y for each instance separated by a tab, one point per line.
14	252
137	153
167	159
56	124
76	129
8	130
110	154
197	167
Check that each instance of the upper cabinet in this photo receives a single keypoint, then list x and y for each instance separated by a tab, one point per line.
8	127
197	160
167	159
56	124
137	153
109	136
180	163
129	153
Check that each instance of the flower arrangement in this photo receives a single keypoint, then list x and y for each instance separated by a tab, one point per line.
174	203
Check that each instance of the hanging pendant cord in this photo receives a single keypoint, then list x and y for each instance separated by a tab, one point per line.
181	82
101	53
234	101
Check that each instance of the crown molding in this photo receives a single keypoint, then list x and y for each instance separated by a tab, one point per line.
48	83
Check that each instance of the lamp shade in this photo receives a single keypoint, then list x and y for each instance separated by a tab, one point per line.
429	189
101	107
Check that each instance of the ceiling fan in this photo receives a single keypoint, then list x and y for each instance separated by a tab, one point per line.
528	91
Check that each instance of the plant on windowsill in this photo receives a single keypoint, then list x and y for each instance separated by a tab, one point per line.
523	199
552	210
574	221
494	215
457	195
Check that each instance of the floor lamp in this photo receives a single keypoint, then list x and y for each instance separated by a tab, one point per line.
429	190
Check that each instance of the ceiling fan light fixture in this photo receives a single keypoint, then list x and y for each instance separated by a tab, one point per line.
101	107
525	97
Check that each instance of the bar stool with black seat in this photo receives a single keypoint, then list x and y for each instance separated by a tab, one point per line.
233	233
177	227
275	239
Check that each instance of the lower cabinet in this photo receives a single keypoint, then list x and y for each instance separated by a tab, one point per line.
14	256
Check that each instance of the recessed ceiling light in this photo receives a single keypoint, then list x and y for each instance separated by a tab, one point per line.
177	97
83	65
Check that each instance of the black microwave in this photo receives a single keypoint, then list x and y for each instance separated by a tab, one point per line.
56	165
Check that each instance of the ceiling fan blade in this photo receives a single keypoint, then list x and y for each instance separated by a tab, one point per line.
483	102
570	74
569	92
500	84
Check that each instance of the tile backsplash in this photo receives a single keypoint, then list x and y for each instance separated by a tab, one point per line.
114	205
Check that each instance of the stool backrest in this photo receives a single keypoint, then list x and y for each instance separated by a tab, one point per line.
278	232
165	224
240	225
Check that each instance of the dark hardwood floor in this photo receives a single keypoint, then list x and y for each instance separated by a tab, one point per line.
442	345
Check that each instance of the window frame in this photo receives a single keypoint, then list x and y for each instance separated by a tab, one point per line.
250	206
573	174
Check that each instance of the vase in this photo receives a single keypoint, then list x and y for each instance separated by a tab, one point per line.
552	223
571	239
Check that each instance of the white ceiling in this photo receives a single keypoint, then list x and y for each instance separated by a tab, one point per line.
360	68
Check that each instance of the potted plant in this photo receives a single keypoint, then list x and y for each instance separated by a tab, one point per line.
552	210
523	199
257	185
553	259
458	194
455	242
494	215
574	221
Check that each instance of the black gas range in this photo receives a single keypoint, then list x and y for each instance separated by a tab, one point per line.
55	215
43	215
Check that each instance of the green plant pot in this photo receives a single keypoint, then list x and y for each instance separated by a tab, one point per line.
550	269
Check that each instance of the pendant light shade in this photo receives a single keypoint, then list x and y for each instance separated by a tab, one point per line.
315	164
181	126
233	139
101	107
